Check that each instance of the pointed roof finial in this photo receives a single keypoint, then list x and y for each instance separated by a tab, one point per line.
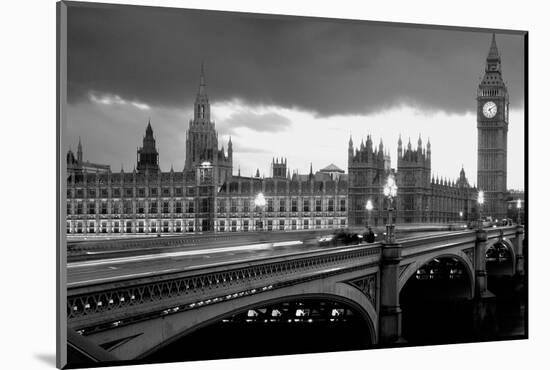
310	168
202	86
493	50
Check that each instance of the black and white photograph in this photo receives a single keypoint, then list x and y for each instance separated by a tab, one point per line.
238	185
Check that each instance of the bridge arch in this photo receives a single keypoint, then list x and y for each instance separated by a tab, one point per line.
436	299
507	243
339	292
465	260
500	258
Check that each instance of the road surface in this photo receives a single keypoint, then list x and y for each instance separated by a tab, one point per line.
119	266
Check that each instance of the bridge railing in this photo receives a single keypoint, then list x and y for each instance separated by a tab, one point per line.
425	244
105	305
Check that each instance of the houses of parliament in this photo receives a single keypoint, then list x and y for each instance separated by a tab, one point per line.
207	196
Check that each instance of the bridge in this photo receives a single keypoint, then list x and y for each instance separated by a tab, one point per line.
133	317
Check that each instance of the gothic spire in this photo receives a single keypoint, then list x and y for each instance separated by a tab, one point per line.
202	87
492	64
79	151
493	50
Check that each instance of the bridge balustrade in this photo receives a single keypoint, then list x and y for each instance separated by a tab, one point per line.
100	306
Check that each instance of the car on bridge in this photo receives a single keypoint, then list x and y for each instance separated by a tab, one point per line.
342	237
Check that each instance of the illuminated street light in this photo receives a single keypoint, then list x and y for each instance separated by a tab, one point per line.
259	202
369	208
480	201
519	207
480	197
390	192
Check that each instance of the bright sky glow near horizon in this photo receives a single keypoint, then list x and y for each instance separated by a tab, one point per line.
300	98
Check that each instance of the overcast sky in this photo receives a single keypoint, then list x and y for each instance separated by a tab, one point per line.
281	86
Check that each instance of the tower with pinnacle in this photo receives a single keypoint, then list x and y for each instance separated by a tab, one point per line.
278	168
492	128
368	168
413	179
147	155
202	140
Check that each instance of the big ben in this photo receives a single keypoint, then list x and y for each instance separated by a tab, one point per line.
492	128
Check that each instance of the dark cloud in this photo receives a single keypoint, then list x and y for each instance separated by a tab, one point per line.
245	149
261	122
153	56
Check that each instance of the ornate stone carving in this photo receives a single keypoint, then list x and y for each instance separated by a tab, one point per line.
469	253
367	285
402	269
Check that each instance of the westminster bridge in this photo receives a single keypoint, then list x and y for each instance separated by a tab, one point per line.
135	316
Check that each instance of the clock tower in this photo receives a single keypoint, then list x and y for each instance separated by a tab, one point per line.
492	130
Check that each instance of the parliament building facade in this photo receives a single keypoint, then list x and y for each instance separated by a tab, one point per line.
207	196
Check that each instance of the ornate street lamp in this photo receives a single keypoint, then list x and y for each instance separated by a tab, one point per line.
368	207
390	192
519	207
480	201
259	202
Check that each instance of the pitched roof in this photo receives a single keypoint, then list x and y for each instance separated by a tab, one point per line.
332	168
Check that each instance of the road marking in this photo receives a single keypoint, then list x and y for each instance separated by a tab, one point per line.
149	257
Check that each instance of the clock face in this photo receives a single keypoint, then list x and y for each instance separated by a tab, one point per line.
489	109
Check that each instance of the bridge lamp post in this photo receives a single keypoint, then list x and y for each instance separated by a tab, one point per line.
519	208
390	192
369	208
259	202
480	201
